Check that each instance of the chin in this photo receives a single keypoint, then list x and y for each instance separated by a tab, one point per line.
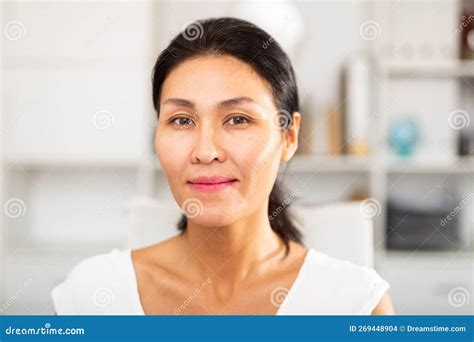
215	217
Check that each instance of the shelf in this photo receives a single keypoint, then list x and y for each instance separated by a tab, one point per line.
67	163
328	163
460	166
457	258
442	69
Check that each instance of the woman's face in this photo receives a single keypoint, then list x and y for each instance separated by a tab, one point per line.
218	119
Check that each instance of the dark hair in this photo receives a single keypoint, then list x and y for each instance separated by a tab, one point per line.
252	45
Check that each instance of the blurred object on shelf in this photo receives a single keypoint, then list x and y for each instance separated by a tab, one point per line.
404	136
334	120
358	195
421	225
417	31
358	106
359	148
466	142
466	26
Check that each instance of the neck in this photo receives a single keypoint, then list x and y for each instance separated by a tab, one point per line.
231	252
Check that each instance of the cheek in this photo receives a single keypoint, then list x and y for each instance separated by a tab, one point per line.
171	152
262	172
258	158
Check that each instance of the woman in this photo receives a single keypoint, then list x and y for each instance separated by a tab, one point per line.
227	104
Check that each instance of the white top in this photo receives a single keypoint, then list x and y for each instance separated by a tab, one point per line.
106	284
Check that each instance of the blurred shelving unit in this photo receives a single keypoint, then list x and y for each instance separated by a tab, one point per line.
437	69
461	166
428	88
329	164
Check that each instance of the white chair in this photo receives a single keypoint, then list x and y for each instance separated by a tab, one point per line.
339	229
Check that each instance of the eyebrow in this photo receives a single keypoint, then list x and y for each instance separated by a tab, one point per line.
224	104
235	101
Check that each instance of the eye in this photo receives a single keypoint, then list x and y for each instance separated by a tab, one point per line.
182	121
238	120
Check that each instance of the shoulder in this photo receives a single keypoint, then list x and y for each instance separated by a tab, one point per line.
342	269
341	287
95	285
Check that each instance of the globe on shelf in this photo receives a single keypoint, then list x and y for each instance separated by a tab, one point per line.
404	136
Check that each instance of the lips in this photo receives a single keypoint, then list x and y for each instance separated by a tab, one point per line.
212	183
211	180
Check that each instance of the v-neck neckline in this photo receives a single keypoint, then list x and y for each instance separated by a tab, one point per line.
296	283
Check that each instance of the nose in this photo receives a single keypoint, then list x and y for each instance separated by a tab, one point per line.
207	147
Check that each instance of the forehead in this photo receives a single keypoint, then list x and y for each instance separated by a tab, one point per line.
209	79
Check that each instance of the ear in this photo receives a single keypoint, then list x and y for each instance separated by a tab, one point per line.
290	138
